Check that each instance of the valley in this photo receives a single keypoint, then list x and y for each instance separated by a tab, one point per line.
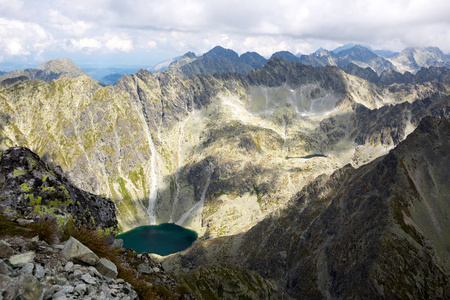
297	176
208	152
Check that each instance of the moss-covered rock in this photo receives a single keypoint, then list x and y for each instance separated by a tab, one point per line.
29	186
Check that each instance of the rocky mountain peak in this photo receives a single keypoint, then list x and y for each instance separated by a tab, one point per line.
53	69
253	59
357	52
286	55
363	57
323	52
348	46
62	66
413	58
220	51
190	55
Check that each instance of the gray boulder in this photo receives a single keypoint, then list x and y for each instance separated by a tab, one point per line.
144	269
88	279
39	271
5	250
107	268
117	244
4	268
21	260
6	284
75	251
27	268
23	222
27	287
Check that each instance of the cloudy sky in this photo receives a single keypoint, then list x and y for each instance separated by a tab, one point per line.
145	32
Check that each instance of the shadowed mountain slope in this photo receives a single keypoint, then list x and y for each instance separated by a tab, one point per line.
379	231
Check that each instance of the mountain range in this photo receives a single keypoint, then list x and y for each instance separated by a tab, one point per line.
384	63
325	179
220	60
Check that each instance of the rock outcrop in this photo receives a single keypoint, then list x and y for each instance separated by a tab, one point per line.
30	187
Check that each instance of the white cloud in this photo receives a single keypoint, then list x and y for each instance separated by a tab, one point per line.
117	43
177	26
68	26
151	44
111	42
14	47
22	38
10	7
88	44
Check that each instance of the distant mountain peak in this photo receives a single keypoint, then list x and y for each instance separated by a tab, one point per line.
49	70
349	46
412	59
64	66
253	59
323	52
220	51
190	54
286	55
359	48
319	50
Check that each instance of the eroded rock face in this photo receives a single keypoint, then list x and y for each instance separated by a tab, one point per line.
28	186
379	231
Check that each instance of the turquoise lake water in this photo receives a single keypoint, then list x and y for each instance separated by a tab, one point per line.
161	239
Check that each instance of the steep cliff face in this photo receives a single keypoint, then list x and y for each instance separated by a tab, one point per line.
379	231
212	153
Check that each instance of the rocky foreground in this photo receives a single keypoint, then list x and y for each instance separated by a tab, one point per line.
32	269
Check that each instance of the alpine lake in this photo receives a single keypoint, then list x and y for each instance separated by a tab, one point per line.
163	239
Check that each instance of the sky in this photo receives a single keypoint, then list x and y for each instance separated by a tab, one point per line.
118	33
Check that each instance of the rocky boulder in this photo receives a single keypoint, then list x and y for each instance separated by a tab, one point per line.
5	250
22	259
106	268
75	251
